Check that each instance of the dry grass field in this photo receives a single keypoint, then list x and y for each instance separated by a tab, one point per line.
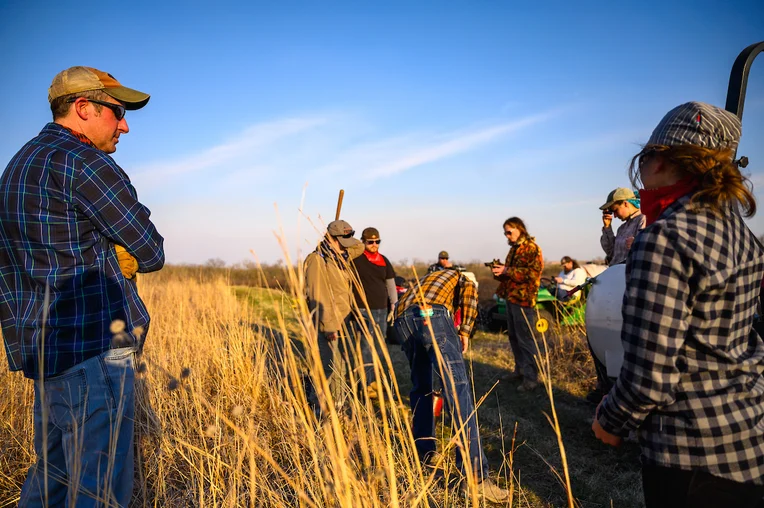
223	422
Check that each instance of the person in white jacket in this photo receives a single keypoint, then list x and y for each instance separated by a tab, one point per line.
570	276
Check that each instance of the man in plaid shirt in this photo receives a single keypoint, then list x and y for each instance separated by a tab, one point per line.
425	324
692	381
72	236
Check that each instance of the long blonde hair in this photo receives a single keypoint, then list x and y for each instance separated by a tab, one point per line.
721	185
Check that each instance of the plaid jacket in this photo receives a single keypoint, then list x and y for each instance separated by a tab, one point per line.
63	206
448	288
692	381
520	283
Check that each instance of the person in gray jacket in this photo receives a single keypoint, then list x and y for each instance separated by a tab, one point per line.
624	204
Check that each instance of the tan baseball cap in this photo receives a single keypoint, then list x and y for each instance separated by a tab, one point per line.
619	194
84	79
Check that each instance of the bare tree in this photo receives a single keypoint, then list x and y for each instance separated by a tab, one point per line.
215	263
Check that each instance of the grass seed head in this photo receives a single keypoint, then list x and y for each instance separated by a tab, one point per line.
117	326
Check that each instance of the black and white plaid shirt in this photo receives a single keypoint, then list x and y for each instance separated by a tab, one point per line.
692	381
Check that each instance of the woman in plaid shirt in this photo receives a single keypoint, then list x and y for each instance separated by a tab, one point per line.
519	278
692	381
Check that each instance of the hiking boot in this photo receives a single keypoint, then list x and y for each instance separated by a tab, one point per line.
488	490
511	376
527	386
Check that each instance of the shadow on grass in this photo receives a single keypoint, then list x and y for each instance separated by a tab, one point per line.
599	474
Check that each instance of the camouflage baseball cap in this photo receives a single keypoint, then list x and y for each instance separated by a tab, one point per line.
84	79
443	255
699	124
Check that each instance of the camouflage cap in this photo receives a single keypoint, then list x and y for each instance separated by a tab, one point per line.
443	255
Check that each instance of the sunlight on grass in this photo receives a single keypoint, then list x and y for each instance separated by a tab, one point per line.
222	418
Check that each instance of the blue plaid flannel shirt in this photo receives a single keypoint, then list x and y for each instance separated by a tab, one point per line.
63	206
692	381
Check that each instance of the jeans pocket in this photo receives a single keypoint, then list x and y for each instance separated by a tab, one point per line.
66	399
457	370
119	375
118	354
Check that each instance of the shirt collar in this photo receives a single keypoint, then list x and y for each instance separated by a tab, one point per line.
60	129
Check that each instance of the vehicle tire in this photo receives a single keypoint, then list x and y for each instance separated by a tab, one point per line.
547	325
543	321
492	323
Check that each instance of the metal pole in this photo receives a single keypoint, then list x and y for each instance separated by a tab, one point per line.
739	78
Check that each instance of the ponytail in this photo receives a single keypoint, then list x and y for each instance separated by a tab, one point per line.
721	185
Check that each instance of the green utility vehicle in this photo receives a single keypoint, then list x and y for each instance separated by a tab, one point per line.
548	307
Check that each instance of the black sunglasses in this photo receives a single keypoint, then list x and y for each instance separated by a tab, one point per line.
348	235
117	109
372	242
645	156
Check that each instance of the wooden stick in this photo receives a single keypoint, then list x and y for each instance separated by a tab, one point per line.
339	204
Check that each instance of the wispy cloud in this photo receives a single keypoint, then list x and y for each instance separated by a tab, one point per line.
248	143
452	144
314	147
388	156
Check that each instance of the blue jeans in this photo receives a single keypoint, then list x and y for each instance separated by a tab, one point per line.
90	409
417	339
521	321
377	318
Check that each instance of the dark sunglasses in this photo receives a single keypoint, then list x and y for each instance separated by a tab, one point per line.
349	235
117	109
372	242
507	233
644	157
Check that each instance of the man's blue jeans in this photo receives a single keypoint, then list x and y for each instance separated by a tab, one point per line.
417	339
377	318
90	409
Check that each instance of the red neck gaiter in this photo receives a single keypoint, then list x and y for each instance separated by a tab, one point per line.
375	259
655	201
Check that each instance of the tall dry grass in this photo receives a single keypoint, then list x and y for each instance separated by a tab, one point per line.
222	418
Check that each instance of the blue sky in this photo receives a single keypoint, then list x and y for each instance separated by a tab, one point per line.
439	119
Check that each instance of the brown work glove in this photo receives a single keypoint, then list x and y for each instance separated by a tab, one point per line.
127	263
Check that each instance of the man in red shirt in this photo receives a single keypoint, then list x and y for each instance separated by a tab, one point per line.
377	281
